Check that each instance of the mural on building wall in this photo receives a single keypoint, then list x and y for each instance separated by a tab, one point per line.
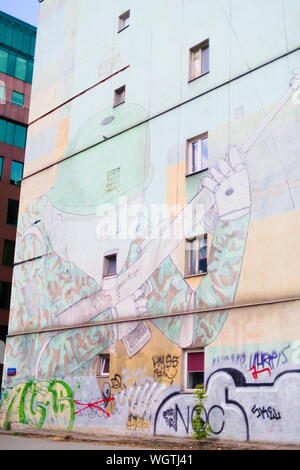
63	238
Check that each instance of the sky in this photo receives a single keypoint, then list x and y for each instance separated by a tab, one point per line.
25	10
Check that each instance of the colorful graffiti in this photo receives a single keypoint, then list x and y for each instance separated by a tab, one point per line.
37	404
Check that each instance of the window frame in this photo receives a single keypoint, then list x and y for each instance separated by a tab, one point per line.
189	154
193	50
8	204
197	250
122	19
103	358
7	285
119	92
106	257
14	103
11	167
5	242
185	368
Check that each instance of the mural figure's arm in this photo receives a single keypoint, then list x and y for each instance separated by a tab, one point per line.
229	183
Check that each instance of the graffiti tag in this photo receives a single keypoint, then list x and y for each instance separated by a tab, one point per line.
165	367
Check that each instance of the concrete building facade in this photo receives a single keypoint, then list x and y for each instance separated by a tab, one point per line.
157	243
17	44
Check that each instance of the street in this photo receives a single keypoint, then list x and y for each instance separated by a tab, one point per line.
9	442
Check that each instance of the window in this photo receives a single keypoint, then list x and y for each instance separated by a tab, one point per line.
112	179
16	173
3	61
194	361
12	212
1	166
103	365
20	70
16	66
110	265
8	253
17	98
124	20
2	94
197	154
199	60
119	97
13	134
196	255
5	291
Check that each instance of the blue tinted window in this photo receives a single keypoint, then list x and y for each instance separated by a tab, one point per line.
3	61
10	133
1	166
16	173
20	71
17	98
2	93
20	136
2	130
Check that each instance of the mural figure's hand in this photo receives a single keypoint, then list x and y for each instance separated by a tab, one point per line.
228	180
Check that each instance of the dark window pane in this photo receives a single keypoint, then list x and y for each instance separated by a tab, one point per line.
110	265
18	40
12	212
203	266
2	130
29	71
10	133
8	35
17	98
8	253
1	166
26	43
194	379
3	61
5	290
20	136
16	173
11	65
105	364
2	31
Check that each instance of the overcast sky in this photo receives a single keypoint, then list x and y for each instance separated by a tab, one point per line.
25	10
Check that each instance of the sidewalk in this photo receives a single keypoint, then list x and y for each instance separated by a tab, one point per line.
155	442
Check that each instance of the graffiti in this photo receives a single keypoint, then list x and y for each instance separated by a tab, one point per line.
117	382
94	405
270	412
238	359
271	360
165	367
256	372
258	360
36	404
137	423
179	417
171	418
